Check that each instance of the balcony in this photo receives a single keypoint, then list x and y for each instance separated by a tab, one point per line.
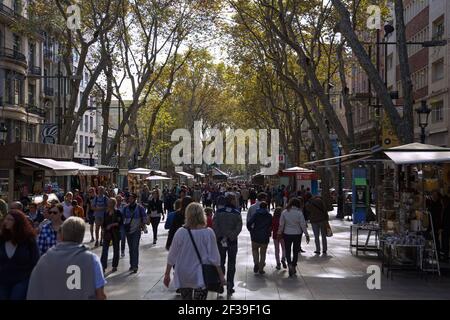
13	55
34	71
49	92
9	12
35	110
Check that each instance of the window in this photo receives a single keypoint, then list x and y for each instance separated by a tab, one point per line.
81	144
18	133
91	124
438	29
438	70
30	133
86	123
16	43
86	143
31	94
437	112
31	54
81	125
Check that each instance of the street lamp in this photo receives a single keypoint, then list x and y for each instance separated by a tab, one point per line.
423	112
91	148
3	133
340	197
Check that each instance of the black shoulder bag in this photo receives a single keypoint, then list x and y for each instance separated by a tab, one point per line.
210	274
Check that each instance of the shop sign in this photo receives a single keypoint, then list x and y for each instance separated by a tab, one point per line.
306	176
49	133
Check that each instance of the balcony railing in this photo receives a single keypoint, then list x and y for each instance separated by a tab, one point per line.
34	70
49	91
35	110
8	11
12	54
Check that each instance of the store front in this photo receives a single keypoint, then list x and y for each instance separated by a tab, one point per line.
21	178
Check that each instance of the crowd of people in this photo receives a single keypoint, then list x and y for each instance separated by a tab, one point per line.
39	239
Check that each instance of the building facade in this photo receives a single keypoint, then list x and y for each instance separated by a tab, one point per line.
425	20
35	88
21	60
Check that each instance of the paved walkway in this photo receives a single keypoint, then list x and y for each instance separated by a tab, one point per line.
339	275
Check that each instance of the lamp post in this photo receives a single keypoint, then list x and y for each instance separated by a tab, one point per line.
3	133
340	197
423	112
91	148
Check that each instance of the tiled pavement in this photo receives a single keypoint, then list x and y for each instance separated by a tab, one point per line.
339	275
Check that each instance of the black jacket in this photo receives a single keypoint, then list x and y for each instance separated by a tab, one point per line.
177	223
155	206
19	266
260	226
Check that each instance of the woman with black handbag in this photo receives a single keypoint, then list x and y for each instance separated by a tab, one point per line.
195	257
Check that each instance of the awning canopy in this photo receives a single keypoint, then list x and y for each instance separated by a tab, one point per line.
159	172
200	174
344	157
297	170
82	169
185	174
415	153
140	171
105	169
59	168
218	172
157	178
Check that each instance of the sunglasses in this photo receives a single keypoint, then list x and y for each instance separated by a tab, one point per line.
54	211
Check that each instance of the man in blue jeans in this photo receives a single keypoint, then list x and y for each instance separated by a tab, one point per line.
227	225
134	220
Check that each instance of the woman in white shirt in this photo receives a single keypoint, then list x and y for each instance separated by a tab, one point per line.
292	224
188	274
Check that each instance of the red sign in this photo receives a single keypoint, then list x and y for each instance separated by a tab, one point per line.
306	176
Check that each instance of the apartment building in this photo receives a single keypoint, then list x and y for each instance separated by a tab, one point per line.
425	20
87	130
21	58
33	98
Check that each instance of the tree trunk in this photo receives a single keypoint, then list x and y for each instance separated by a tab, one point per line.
345	27
345	98
105	115
408	99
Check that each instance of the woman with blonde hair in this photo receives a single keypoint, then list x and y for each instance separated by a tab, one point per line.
292	225
188	274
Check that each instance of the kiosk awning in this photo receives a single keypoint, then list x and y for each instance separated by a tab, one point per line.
415	153
140	171
218	172
82	169
200	174
157	178
185	174
59	168
344	157
159	172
